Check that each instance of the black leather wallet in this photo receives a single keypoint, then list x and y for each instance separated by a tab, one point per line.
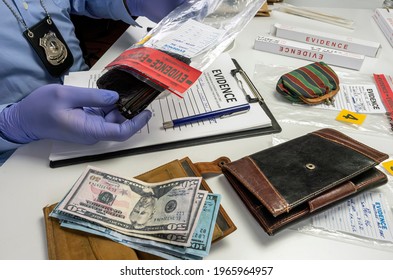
293	180
136	93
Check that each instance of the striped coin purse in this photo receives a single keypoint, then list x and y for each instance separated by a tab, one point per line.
311	84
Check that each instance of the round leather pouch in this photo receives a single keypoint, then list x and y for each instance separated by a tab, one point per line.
311	84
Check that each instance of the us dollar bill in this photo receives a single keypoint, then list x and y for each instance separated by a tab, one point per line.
129	205
180	240
128	243
203	234
201	237
198	248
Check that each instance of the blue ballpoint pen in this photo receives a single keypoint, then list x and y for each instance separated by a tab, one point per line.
226	112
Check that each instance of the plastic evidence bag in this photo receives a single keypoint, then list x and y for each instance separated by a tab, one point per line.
174	53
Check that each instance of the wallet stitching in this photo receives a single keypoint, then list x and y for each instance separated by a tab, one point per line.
261	219
313	207
373	179
291	218
282	200
279	224
345	140
243	180
336	183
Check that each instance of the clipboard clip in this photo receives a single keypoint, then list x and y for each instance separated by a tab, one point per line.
257	97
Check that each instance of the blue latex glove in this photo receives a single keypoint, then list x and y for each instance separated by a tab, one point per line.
155	10
72	114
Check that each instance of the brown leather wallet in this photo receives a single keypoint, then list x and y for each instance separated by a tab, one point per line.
293	180
66	244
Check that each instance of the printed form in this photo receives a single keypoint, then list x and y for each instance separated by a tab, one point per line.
190	39
215	89
367	215
357	98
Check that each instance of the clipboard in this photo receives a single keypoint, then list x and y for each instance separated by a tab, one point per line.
256	98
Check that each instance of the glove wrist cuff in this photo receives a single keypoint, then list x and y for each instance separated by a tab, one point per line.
9	128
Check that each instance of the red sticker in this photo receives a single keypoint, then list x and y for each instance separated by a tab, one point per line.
159	67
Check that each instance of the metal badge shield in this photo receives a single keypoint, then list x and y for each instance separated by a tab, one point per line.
50	46
55	50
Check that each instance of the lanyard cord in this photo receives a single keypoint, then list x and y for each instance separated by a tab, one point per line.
19	17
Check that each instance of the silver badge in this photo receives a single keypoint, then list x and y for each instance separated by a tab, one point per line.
55	50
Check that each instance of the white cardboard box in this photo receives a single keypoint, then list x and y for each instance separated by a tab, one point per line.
384	28
308	52
385	23
387	18
326	40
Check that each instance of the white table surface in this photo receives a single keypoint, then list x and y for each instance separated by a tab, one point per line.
28	183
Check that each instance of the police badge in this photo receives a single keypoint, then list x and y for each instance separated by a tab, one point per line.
50	46
55	50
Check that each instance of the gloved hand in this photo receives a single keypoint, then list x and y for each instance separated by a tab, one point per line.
73	114
155	10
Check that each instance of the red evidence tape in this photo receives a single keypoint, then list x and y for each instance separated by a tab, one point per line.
386	92
159	67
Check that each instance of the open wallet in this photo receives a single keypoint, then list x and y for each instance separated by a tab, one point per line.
67	244
295	179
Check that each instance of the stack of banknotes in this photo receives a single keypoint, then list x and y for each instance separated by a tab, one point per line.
172	219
